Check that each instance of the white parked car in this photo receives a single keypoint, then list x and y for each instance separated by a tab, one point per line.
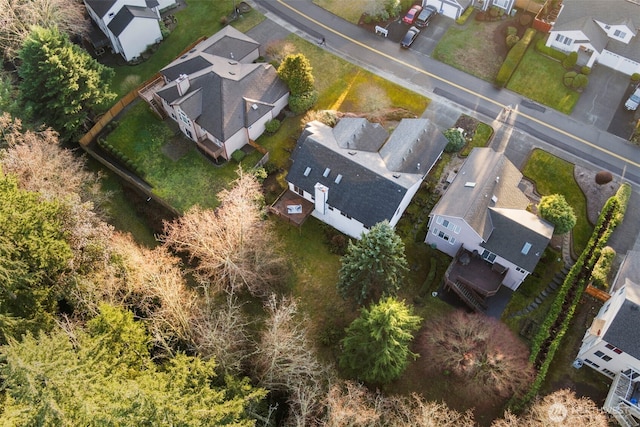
633	101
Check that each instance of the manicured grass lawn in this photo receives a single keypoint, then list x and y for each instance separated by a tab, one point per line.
540	78
199	18
553	175
480	138
352	10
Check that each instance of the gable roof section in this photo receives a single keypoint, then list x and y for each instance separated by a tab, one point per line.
357	133
623	331
629	269
368	191
413	142
227	43
100	7
225	89
126	15
612	12
518	236
483	175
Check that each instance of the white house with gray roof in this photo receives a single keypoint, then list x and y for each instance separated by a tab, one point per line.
602	32
454	8
611	345
358	175
483	213
129	27
218	96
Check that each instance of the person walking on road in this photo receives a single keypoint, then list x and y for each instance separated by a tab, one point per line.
322	42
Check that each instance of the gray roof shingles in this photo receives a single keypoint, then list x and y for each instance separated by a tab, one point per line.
100	7
623	332
368	190
126	15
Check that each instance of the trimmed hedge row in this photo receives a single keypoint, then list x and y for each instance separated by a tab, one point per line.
513	58
550	334
548	51
121	157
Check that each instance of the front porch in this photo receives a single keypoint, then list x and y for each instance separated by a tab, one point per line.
473	279
624	395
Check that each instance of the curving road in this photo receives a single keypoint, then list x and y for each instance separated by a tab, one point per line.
525	123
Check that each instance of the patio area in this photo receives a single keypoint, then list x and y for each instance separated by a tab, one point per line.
292	207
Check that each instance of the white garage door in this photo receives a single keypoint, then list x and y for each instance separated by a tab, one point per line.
449	9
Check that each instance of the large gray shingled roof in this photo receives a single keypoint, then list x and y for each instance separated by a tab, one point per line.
367	189
623	331
126	15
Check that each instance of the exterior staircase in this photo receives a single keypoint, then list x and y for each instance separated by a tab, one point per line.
468	297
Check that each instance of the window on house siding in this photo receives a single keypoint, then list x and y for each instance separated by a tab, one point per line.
619	34
488	256
608	372
589	362
615	349
184	118
563	39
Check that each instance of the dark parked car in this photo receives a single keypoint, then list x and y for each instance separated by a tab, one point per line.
410	37
412	14
426	16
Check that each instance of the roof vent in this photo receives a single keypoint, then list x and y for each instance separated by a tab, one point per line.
470	184
307	171
183	56
232	73
254	106
418	166
233	63
526	248
494	199
497	179
326	172
353	153
338	179
396	175
192	50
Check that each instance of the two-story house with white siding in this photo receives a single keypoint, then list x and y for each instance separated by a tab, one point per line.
454	8
219	97
602	32
612	344
483	222
356	175
130	26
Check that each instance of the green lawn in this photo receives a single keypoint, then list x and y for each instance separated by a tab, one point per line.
539	78
553	175
188	180
352	10
481	138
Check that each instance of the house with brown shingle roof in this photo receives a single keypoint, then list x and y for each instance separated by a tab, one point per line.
483	222
219	97
601	32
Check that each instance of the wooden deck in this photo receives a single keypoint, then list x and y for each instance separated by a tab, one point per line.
283	207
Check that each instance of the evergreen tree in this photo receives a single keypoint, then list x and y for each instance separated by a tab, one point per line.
75	378
33	253
374	265
61	83
376	348
296	72
557	211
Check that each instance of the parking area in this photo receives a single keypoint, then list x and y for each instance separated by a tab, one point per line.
624	121
428	37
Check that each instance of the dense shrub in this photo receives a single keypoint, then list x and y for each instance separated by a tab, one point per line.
238	155
604	177
568	78
580	82
513	58
525	20
635	77
463	18
511	40
585	70
549	51
301	103
570	61
272	126
602	268
512	31
456	140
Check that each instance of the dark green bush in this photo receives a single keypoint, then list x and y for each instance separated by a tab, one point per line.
548	51
512	31
272	126
568	78
513	58
580	82
585	70
600	273
238	155
301	103
570	61
465	15
511	40
456	140
635	77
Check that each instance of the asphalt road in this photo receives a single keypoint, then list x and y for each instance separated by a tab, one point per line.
520	124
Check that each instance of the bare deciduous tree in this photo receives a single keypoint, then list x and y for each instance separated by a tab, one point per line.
477	348
285	360
233	247
559	408
18	16
348	403
220	331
